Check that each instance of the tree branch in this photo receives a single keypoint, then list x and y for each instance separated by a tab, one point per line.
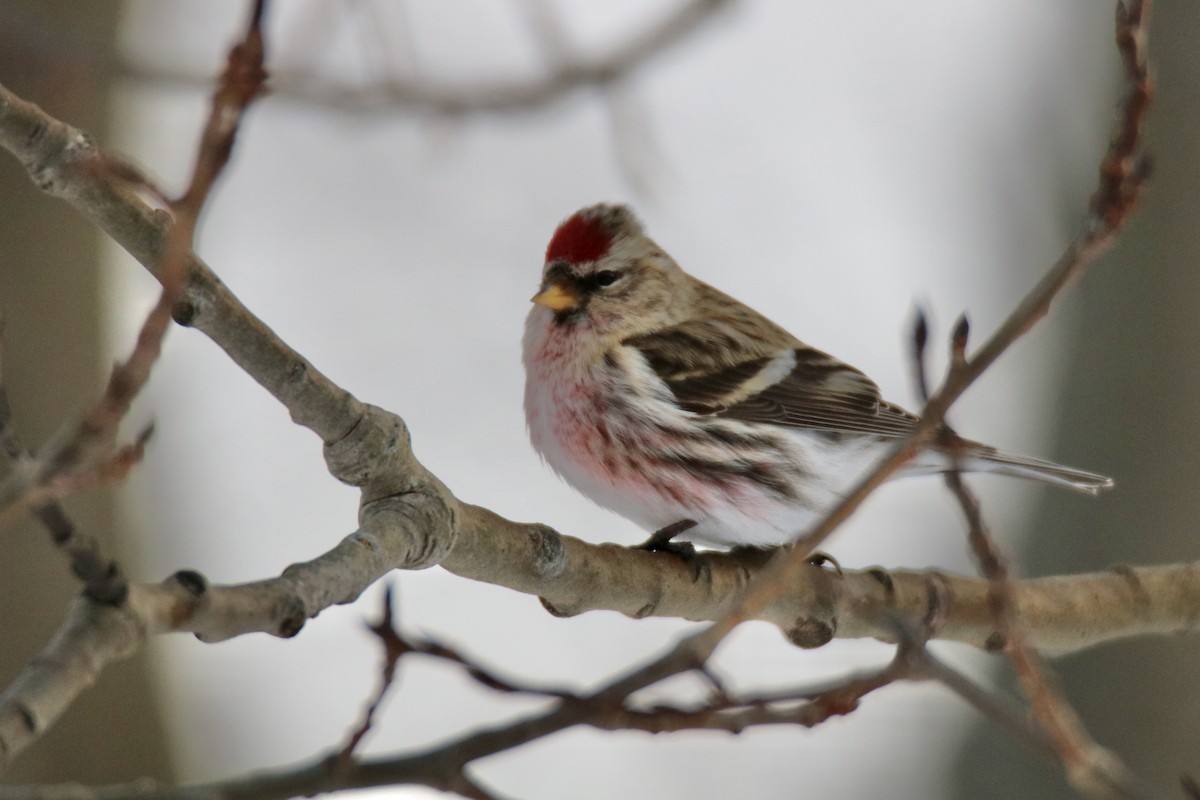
396	94
83	452
102	578
1059	614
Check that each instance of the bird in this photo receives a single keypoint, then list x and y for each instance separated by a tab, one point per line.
678	407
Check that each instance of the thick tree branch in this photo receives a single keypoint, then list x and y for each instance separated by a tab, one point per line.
1059	614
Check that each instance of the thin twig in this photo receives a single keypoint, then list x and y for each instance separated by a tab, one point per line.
85	453
993	708
1090	768
82	454
445	767
414	93
393	648
397	94
1000	597
102	578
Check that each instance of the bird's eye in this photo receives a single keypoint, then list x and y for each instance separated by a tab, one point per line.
607	277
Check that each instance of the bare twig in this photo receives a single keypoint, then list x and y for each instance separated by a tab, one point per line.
102	578
81	454
920	339
445	767
487	95
1090	768
1005	713
393	94
84	453
396	644
393	648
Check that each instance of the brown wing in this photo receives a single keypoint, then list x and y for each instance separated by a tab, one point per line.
710	372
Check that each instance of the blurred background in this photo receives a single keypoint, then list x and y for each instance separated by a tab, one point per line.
832	165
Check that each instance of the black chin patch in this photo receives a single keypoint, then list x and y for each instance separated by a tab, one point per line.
571	317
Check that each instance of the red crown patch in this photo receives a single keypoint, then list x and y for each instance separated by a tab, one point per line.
579	239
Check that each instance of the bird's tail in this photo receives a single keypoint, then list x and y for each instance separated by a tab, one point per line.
981	458
990	460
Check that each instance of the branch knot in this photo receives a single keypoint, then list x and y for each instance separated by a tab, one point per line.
376	452
416	530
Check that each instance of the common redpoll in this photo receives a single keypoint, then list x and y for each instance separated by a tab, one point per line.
663	399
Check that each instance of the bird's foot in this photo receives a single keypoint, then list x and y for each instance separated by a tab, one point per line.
661	542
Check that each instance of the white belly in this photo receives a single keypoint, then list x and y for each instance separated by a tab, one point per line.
656	464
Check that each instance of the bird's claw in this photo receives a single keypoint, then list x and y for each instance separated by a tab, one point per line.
661	542
819	560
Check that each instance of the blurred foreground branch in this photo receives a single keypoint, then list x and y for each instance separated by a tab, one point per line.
391	93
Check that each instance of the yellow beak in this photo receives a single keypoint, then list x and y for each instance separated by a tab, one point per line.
556	298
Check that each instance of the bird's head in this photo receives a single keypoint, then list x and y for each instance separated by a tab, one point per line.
603	272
